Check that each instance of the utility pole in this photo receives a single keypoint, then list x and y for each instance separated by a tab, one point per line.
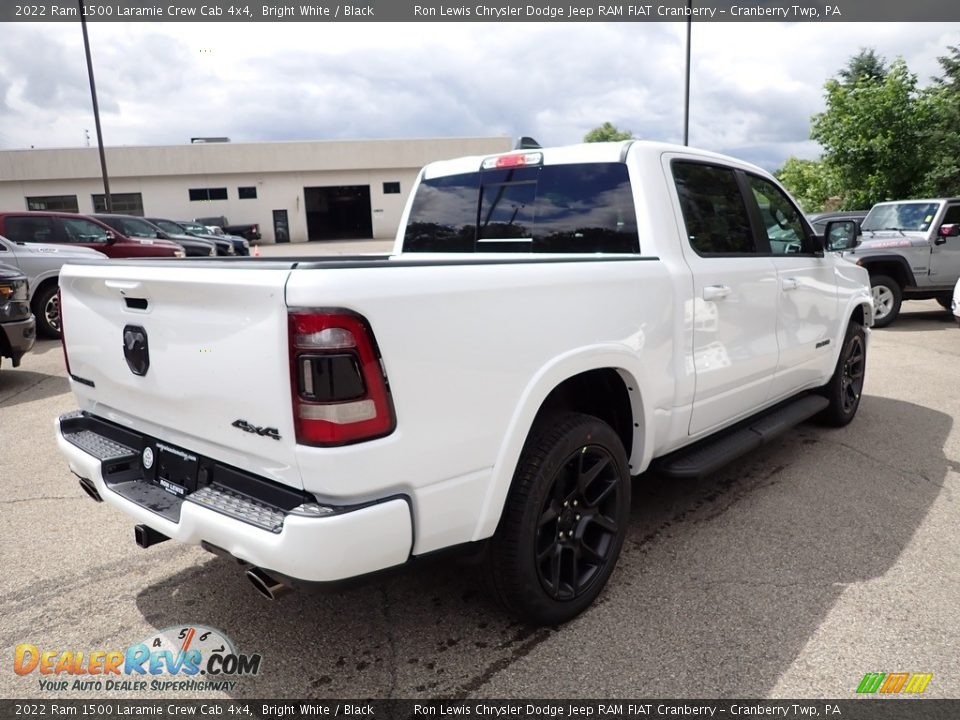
96	110
686	91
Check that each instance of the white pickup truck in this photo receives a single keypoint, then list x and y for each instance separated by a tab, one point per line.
551	323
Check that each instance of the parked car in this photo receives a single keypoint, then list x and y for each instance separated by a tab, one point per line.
911	248
551	323
819	220
241	245
176	232
28	226
41	264
18	329
250	231
136	227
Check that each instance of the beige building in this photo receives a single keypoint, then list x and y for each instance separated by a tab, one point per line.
295	191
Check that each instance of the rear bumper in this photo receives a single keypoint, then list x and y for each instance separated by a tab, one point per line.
327	545
20	336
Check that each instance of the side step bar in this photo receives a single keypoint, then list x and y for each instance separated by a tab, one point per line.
713	453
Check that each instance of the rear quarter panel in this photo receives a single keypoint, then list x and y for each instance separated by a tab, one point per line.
471	351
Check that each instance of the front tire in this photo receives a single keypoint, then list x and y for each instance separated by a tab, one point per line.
887	299
46	308
846	386
946	301
564	521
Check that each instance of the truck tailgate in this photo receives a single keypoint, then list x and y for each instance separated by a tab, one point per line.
218	379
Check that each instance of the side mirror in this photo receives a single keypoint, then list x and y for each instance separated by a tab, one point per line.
841	235
111	237
947	231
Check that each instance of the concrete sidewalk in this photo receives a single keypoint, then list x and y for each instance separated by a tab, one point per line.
327	247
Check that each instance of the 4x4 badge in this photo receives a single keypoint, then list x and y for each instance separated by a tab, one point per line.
262	431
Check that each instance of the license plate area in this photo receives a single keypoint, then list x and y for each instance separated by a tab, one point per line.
173	469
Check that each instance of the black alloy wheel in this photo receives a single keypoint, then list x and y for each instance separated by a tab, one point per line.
564	520
854	365
845	389
578	523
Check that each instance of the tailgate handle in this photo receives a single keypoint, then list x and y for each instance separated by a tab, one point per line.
136	303
122	284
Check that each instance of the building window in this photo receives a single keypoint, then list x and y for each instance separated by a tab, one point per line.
391	188
123	203
247	193
59	203
208	194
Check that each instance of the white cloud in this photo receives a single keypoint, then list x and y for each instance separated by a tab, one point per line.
754	85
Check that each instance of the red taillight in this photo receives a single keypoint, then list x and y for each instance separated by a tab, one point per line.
63	334
340	394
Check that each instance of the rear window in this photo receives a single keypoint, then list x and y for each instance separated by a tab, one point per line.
578	208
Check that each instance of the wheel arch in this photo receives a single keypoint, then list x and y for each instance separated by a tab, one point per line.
607	383
44	280
893	265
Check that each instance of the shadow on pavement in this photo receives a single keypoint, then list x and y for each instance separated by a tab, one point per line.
721	584
922	321
20	386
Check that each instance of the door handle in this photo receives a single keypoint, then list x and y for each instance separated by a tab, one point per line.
715	292
790	284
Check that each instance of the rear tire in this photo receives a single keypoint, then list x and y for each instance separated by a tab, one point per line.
887	299
46	308
945	300
846	386
564	521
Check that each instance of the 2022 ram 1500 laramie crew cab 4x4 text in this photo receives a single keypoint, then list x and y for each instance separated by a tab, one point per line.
551	322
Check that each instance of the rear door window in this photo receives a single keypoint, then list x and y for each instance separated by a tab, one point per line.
714	213
574	208
31	229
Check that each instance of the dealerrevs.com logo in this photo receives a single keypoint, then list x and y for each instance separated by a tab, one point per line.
894	683
187	657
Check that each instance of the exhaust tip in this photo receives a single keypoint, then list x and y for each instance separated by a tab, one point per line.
266	585
90	489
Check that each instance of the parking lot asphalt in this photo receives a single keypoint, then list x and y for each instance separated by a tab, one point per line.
791	573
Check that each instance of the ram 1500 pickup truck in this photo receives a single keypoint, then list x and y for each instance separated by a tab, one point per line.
551	323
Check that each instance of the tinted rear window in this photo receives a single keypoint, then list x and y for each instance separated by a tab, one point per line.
581	208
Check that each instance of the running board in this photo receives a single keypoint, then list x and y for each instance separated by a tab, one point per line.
711	454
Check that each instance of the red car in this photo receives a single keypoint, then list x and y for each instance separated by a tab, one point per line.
69	228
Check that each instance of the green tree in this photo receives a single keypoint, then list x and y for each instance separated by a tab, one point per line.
942	136
865	66
809	181
607	132
874	134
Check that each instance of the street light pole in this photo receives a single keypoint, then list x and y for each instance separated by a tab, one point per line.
96	111
686	91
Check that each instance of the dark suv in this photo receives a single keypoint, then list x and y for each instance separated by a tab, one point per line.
53	227
18	328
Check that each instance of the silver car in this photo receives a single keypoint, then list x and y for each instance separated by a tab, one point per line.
41	264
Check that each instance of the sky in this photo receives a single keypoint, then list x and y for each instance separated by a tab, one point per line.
754	86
